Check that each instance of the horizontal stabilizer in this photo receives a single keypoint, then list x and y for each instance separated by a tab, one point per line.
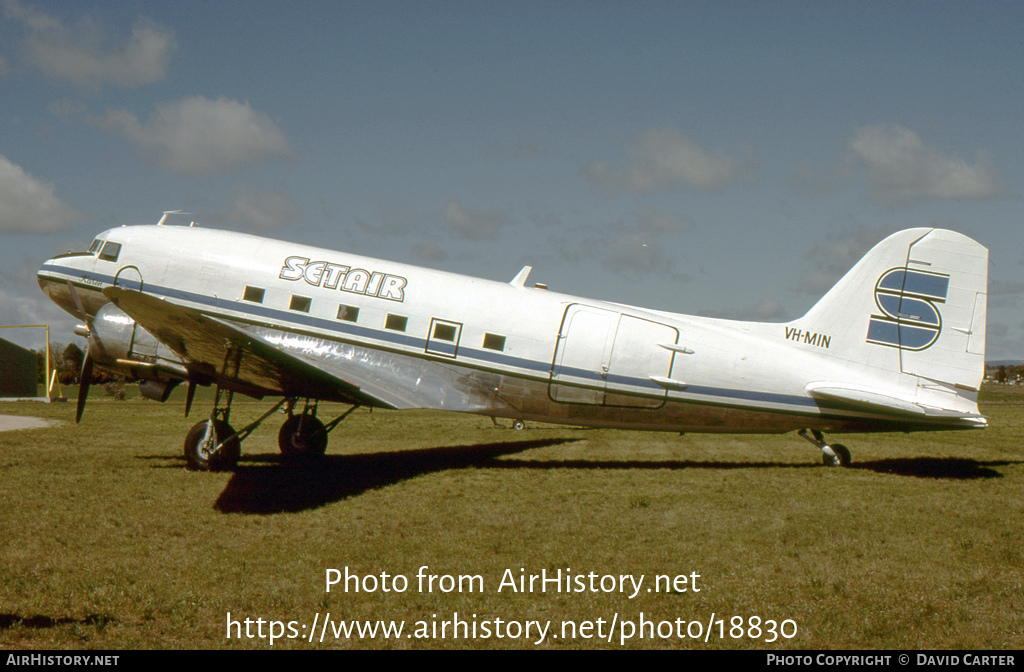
859	399
865	400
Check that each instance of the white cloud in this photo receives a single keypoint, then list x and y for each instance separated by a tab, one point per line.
65	110
195	136
900	167
81	54
474	224
262	209
664	158
27	205
35	21
31	309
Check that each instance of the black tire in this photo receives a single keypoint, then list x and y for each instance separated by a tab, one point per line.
302	436
197	455
842	453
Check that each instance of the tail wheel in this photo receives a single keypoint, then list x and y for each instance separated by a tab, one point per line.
842	458
201	442
302	436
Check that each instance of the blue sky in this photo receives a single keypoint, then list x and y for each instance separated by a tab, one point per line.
731	159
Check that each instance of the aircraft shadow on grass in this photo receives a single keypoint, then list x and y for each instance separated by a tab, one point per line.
39	622
269	483
285	486
953	468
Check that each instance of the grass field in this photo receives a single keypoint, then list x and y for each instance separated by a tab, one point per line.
108	542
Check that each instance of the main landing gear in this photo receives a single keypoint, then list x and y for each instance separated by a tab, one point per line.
832	455
213	445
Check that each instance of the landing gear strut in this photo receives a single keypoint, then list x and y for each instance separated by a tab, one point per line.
213	445
832	455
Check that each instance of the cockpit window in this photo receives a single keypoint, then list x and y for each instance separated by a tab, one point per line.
110	251
96	244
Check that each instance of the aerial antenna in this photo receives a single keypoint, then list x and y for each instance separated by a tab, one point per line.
520	279
171	212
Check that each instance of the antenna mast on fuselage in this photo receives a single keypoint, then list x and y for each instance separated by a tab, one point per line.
172	212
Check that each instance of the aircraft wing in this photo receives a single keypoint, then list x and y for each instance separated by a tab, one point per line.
229	355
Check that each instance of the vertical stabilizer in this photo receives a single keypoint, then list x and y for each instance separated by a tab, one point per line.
914	305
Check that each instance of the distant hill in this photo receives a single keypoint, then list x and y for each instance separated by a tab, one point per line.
1004	362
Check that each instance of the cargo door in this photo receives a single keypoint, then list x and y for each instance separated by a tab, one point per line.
580	369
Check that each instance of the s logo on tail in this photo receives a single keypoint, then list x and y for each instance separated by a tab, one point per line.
910	319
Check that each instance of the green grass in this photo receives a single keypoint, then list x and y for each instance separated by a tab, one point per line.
109	543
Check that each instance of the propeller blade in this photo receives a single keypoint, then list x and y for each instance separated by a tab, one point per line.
191	395
83	386
79	306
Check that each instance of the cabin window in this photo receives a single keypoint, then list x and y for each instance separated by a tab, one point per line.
254	294
110	252
300	303
443	338
494	342
396	322
445	332
348	313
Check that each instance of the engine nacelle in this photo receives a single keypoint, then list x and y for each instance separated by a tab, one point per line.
157	390
120	345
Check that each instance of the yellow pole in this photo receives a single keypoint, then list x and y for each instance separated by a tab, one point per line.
49	383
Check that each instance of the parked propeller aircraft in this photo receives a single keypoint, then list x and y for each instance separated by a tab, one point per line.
897	345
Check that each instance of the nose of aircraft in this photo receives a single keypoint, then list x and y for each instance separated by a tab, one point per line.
45	275
53	277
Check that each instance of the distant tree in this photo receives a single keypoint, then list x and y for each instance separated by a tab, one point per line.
70	364
1001	374
116	388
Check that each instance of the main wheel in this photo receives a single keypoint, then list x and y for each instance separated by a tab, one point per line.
302	436
200	443
842	458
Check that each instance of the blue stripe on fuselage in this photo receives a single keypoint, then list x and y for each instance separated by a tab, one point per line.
357	333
